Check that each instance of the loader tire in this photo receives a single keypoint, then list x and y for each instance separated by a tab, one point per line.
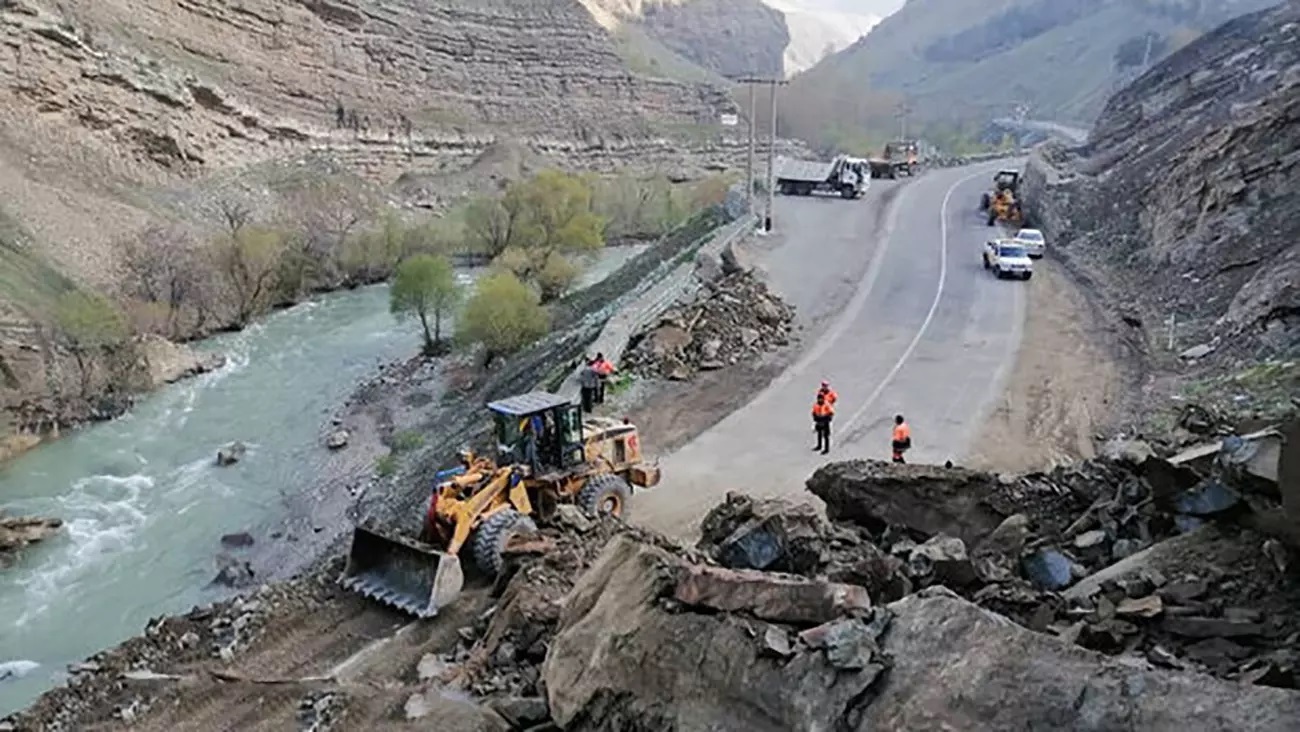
605	494
492	535
984	202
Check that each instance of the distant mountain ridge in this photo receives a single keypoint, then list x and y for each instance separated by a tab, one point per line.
970	61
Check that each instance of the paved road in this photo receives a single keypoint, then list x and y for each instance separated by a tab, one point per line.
901	317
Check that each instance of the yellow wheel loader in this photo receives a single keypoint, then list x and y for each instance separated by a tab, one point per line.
548	454
1001	205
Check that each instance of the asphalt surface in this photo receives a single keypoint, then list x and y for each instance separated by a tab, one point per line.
899	315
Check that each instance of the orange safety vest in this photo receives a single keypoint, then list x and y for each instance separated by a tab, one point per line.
902	433
829	394
603	367
823	410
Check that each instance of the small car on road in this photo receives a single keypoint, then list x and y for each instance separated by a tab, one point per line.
1033	241
1006	258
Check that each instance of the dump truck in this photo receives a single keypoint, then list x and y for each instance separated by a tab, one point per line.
549	453
900	157
844	175
1002	204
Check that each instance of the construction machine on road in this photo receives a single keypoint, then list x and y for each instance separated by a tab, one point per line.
900	157
548	454
1002	204
845	176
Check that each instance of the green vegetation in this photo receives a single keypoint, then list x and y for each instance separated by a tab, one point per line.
386	466
503	316
88	323
425	287
407	440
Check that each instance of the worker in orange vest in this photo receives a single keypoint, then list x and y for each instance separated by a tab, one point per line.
829	393
822	414
902	439
603	369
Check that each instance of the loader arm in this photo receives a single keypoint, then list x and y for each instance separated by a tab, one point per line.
466	515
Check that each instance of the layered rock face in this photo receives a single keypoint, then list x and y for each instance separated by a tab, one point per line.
1187	196
115	114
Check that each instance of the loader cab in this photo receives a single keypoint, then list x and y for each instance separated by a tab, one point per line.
1006	180
559	446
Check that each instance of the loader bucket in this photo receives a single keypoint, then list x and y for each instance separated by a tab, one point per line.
412	577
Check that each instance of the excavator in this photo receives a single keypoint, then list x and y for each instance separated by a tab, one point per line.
1002	204
548	454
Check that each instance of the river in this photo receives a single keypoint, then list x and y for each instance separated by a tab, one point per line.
144	504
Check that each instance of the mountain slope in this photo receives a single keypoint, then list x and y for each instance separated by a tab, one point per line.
118	116
819	28
976	60
1186	201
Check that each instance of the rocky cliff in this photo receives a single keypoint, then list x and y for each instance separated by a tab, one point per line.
1187	197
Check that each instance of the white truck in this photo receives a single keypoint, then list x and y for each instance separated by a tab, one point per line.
1007	258
846	176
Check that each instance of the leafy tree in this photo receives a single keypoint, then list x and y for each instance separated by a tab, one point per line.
504	315
425	287
553	216
89	322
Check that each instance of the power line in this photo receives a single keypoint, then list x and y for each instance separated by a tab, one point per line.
772	83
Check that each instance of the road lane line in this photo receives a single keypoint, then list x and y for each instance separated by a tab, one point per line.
929	317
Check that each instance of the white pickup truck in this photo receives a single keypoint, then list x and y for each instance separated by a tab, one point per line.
1007	258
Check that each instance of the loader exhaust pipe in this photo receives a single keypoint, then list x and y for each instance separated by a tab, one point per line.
405	574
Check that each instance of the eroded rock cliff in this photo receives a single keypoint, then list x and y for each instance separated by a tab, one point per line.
1187	196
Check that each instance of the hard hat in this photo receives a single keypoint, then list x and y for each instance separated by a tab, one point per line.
825	382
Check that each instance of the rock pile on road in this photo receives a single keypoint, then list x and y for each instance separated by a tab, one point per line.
1144	559
735	318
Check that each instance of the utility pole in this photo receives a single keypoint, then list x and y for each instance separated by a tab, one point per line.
749	166
903	111
772	84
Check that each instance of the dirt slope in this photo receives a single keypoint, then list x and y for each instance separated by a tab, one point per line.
1185	202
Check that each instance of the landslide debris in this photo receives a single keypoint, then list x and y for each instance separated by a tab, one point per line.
1145	559
735	318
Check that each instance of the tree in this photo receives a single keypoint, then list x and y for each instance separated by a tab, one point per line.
490	226
250	260
327	212
165	269
552	217
425	286
88	322
503	315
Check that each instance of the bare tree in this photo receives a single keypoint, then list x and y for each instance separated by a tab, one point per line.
250	261
326	214
163	266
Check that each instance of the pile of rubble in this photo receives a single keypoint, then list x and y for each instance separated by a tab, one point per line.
733	319
1146	559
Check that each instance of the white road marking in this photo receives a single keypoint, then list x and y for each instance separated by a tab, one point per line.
934	305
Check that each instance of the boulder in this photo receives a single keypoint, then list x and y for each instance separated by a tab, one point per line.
772	534
926	499
780	598
944	559
232	572
621	660
337	439
735	260
957	666
17	532
231	454
707	267
239	540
